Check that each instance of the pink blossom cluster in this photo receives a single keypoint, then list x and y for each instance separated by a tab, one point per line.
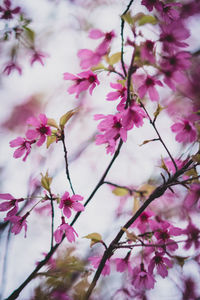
67	204
37	135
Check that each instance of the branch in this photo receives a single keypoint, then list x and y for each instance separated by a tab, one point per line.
158	134
66	162
16	293
158	192
122	37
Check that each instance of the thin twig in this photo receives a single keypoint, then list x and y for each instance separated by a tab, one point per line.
158	192
159	136
122	37
66	162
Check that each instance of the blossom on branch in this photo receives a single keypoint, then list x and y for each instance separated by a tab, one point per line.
11	204
185	131
149	86
24	147
66	229
83	81
68	203
41	131
7	12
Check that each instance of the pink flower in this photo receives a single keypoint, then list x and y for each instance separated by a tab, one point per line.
68	203
172	36
38	56
66	229
170	14
142	222
121	93
7	11
112	130
161	263
193	234
10	67
83	81
105	44
18	223
172	77
95	261
24	147
41	129
147	51
133	115
88	58
170	166
150	4
193	196
176	61
149	86
185	131
12	204
163	235
142	279
123	264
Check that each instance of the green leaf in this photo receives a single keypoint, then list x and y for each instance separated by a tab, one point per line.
145	142
147	19
46	181
118	191
29	33
98	67
128	18
130	235
52	122
50	140
158	110
94	237
65	118
114	58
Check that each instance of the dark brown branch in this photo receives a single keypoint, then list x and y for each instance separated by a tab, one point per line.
122	37
158	192
66	162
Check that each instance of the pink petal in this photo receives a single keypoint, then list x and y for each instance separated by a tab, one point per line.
17	142
6	196
69	76
32	134
153	93
95	34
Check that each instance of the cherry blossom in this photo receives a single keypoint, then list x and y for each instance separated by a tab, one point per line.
193	236
169	13
11	204
41	131
7	12
38	57
112	130
185	131
68	203
95	261
149	86
142	279
172	36
161	263
24	147
83	81
193	196
18	223
133	115
10	67
150	4
147	51
66	229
